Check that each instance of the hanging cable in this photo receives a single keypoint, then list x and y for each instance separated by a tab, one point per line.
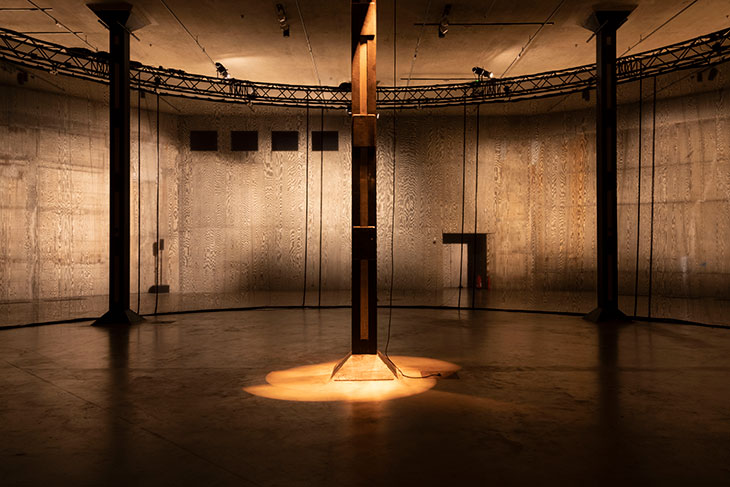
532	38
463	202
642	39
60	24
653	171
392	211
139	198
309	44
476	199
392	216
306	211
418	43
194	38
157	209
321	194
638	202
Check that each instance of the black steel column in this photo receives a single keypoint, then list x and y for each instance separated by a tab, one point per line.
115	17
605	23
364	264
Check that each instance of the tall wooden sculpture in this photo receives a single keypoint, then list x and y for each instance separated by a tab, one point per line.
364	265
365	362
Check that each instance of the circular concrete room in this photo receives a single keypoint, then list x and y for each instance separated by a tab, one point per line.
391	242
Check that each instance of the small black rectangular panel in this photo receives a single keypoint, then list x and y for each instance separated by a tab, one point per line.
325	141
244	140
284	141
203	140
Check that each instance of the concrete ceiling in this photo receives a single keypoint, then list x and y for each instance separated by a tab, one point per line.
245	35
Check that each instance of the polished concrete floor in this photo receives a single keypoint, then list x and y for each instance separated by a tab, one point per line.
538	400
707	310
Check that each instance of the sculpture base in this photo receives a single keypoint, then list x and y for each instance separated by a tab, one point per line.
605	315
112	318
360	367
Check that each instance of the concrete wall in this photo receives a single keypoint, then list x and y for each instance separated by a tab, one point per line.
54	182
235	221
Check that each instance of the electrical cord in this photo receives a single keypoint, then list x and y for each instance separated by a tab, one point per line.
392	215
392	222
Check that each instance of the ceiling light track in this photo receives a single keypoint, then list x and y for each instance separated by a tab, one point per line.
701	52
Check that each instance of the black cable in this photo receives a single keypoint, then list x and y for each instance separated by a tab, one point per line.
463	204
476	199
157	206
653	171
392	211
392	242
392	219
306	212
139	198
321	193
638	201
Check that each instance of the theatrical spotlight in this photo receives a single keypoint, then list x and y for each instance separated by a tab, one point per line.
712	74
444	24
222	70
283	24
482	73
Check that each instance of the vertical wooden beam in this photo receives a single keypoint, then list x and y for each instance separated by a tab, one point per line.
364	264
115	17
605	23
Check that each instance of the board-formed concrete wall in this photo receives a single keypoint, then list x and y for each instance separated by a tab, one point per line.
54	182
234	222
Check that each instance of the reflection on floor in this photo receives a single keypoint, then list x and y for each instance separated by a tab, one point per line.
701	310
538	400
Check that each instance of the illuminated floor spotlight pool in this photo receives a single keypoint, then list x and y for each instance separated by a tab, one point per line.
316	382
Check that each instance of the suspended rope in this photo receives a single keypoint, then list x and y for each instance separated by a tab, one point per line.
157	208
638	202
306	211
476	208
321	193
463	203
653	171
139	198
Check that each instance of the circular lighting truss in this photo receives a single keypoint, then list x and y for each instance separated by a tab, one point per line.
21	50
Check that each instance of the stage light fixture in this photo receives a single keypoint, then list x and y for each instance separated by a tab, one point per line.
586	94
444	24
712	74
283	24
482	73
222	70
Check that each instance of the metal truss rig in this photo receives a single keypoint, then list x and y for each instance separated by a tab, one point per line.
700	52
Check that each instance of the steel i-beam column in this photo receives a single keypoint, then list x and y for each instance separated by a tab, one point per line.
364	264
604	23
115	17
